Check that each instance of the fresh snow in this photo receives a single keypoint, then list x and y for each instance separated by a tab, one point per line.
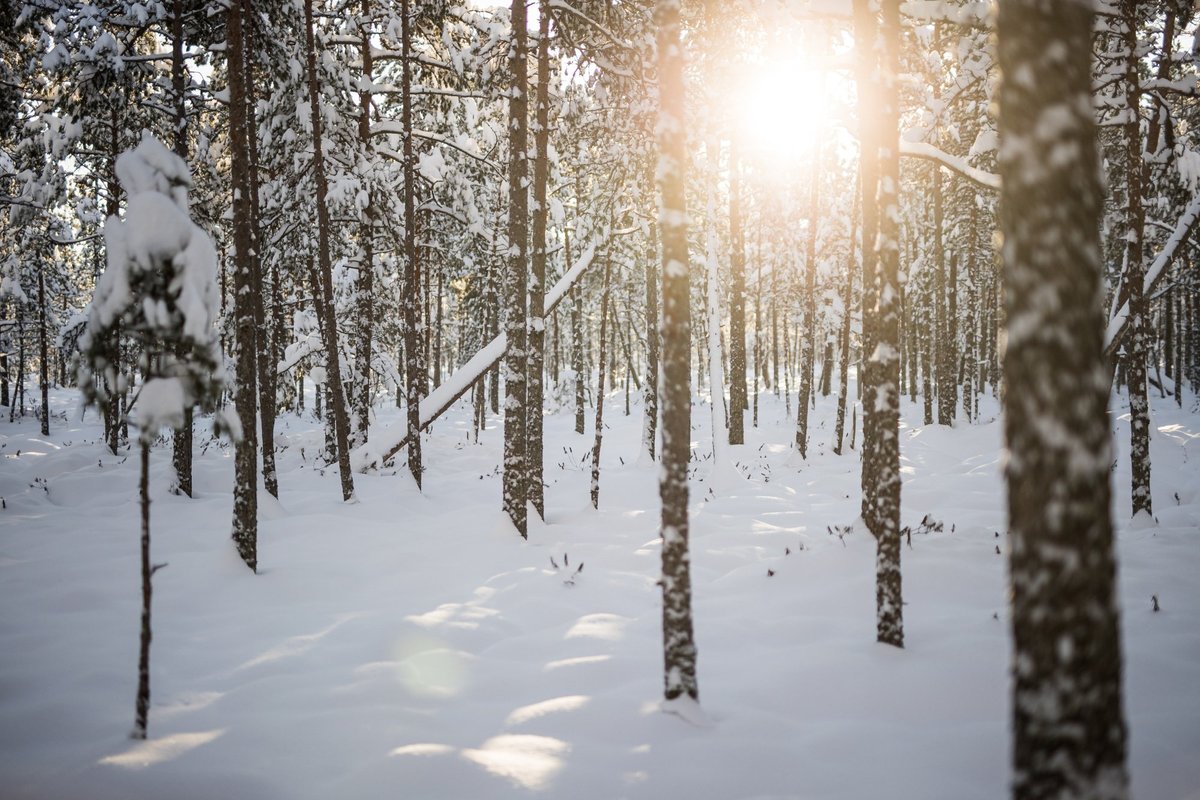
413	645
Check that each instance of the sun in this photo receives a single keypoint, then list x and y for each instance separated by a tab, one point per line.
781	109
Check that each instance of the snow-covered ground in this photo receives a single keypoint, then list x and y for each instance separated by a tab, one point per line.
412	645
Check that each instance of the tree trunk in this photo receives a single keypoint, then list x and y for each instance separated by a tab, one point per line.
516	407
881	404
809	340
333	360
264	362
43	350
535	399
364	289
415	378
1135	275
650	385
679	648
245	489
602	358
182	439
847	305
143	690
1069	735
737	306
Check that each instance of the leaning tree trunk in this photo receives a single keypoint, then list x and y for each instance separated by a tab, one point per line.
516	407
333	360
245	489
679	647
1069	735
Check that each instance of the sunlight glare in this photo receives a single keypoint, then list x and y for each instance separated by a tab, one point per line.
781	108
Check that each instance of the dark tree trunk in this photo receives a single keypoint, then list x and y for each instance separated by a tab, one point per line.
808	342
650	385
844	339
737	306
264	361
577	344
245	490
1136	351
182	439
881	401
866	30
365	285
415	378
535	399
1069	736
516	408
333	359
947	394
43	350
679	647
143	690
602	359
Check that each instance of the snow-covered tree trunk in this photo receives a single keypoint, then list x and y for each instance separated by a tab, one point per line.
866	31
333	360
182	440
679	647
364	287
885	358
245	482
516	473
414	373
650	385
535	400
844	334
737	305
602	359
809	308
1069	736
1136	351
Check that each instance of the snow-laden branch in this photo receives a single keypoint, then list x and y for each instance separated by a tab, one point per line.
1118	322
987	180
386	443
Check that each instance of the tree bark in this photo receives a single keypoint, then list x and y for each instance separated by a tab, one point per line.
333	360
245	489
1069	735
413	346
516	408
737	305
535	400
679	647
603	357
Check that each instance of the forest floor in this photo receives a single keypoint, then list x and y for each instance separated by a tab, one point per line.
413	645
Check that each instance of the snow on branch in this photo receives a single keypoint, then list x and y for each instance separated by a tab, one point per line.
987	180
1117	323
389	441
